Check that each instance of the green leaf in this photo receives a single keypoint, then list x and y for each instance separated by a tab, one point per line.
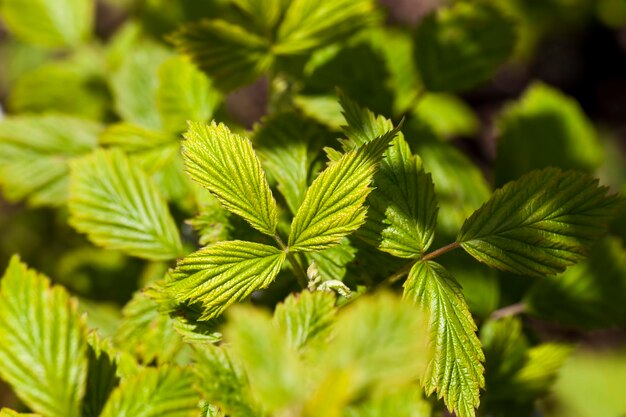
396	48
184	93
305	317
224	273
114	202
282	143
456	371
363	125
101	376
448	115
403	209
406	403
265	13
163	392
381	342
461	187
225	164
35	152
74	86
341	67
462	46
309	24
275	372
539	224
545	128
53	24
588	295
333	263
517	373
43	346
333	206
146	332
229	54
135	83
322	109
223	382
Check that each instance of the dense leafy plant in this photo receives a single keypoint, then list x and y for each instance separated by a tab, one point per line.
146	162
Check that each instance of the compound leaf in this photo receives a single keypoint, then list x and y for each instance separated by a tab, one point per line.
115	203
229	54
539	224
309	24
163	392
184	93
43	343
456	371
226	165
462	46
53	24
35	152
333	206
224	273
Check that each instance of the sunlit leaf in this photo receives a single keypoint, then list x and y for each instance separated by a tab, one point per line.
115	203
456	371
226	165
540	224
43	343
224	273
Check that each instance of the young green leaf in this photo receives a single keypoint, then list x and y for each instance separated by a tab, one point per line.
114	202
163	392
540	224
333	206
229	54
35	152
403	208
462	46
309	24
43	343
545	128
184	93
363	125
456	371
224	273
282	143
223	382
53	24
226	165
305	317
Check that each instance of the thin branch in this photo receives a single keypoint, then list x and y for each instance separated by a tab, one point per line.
440	251
512	310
